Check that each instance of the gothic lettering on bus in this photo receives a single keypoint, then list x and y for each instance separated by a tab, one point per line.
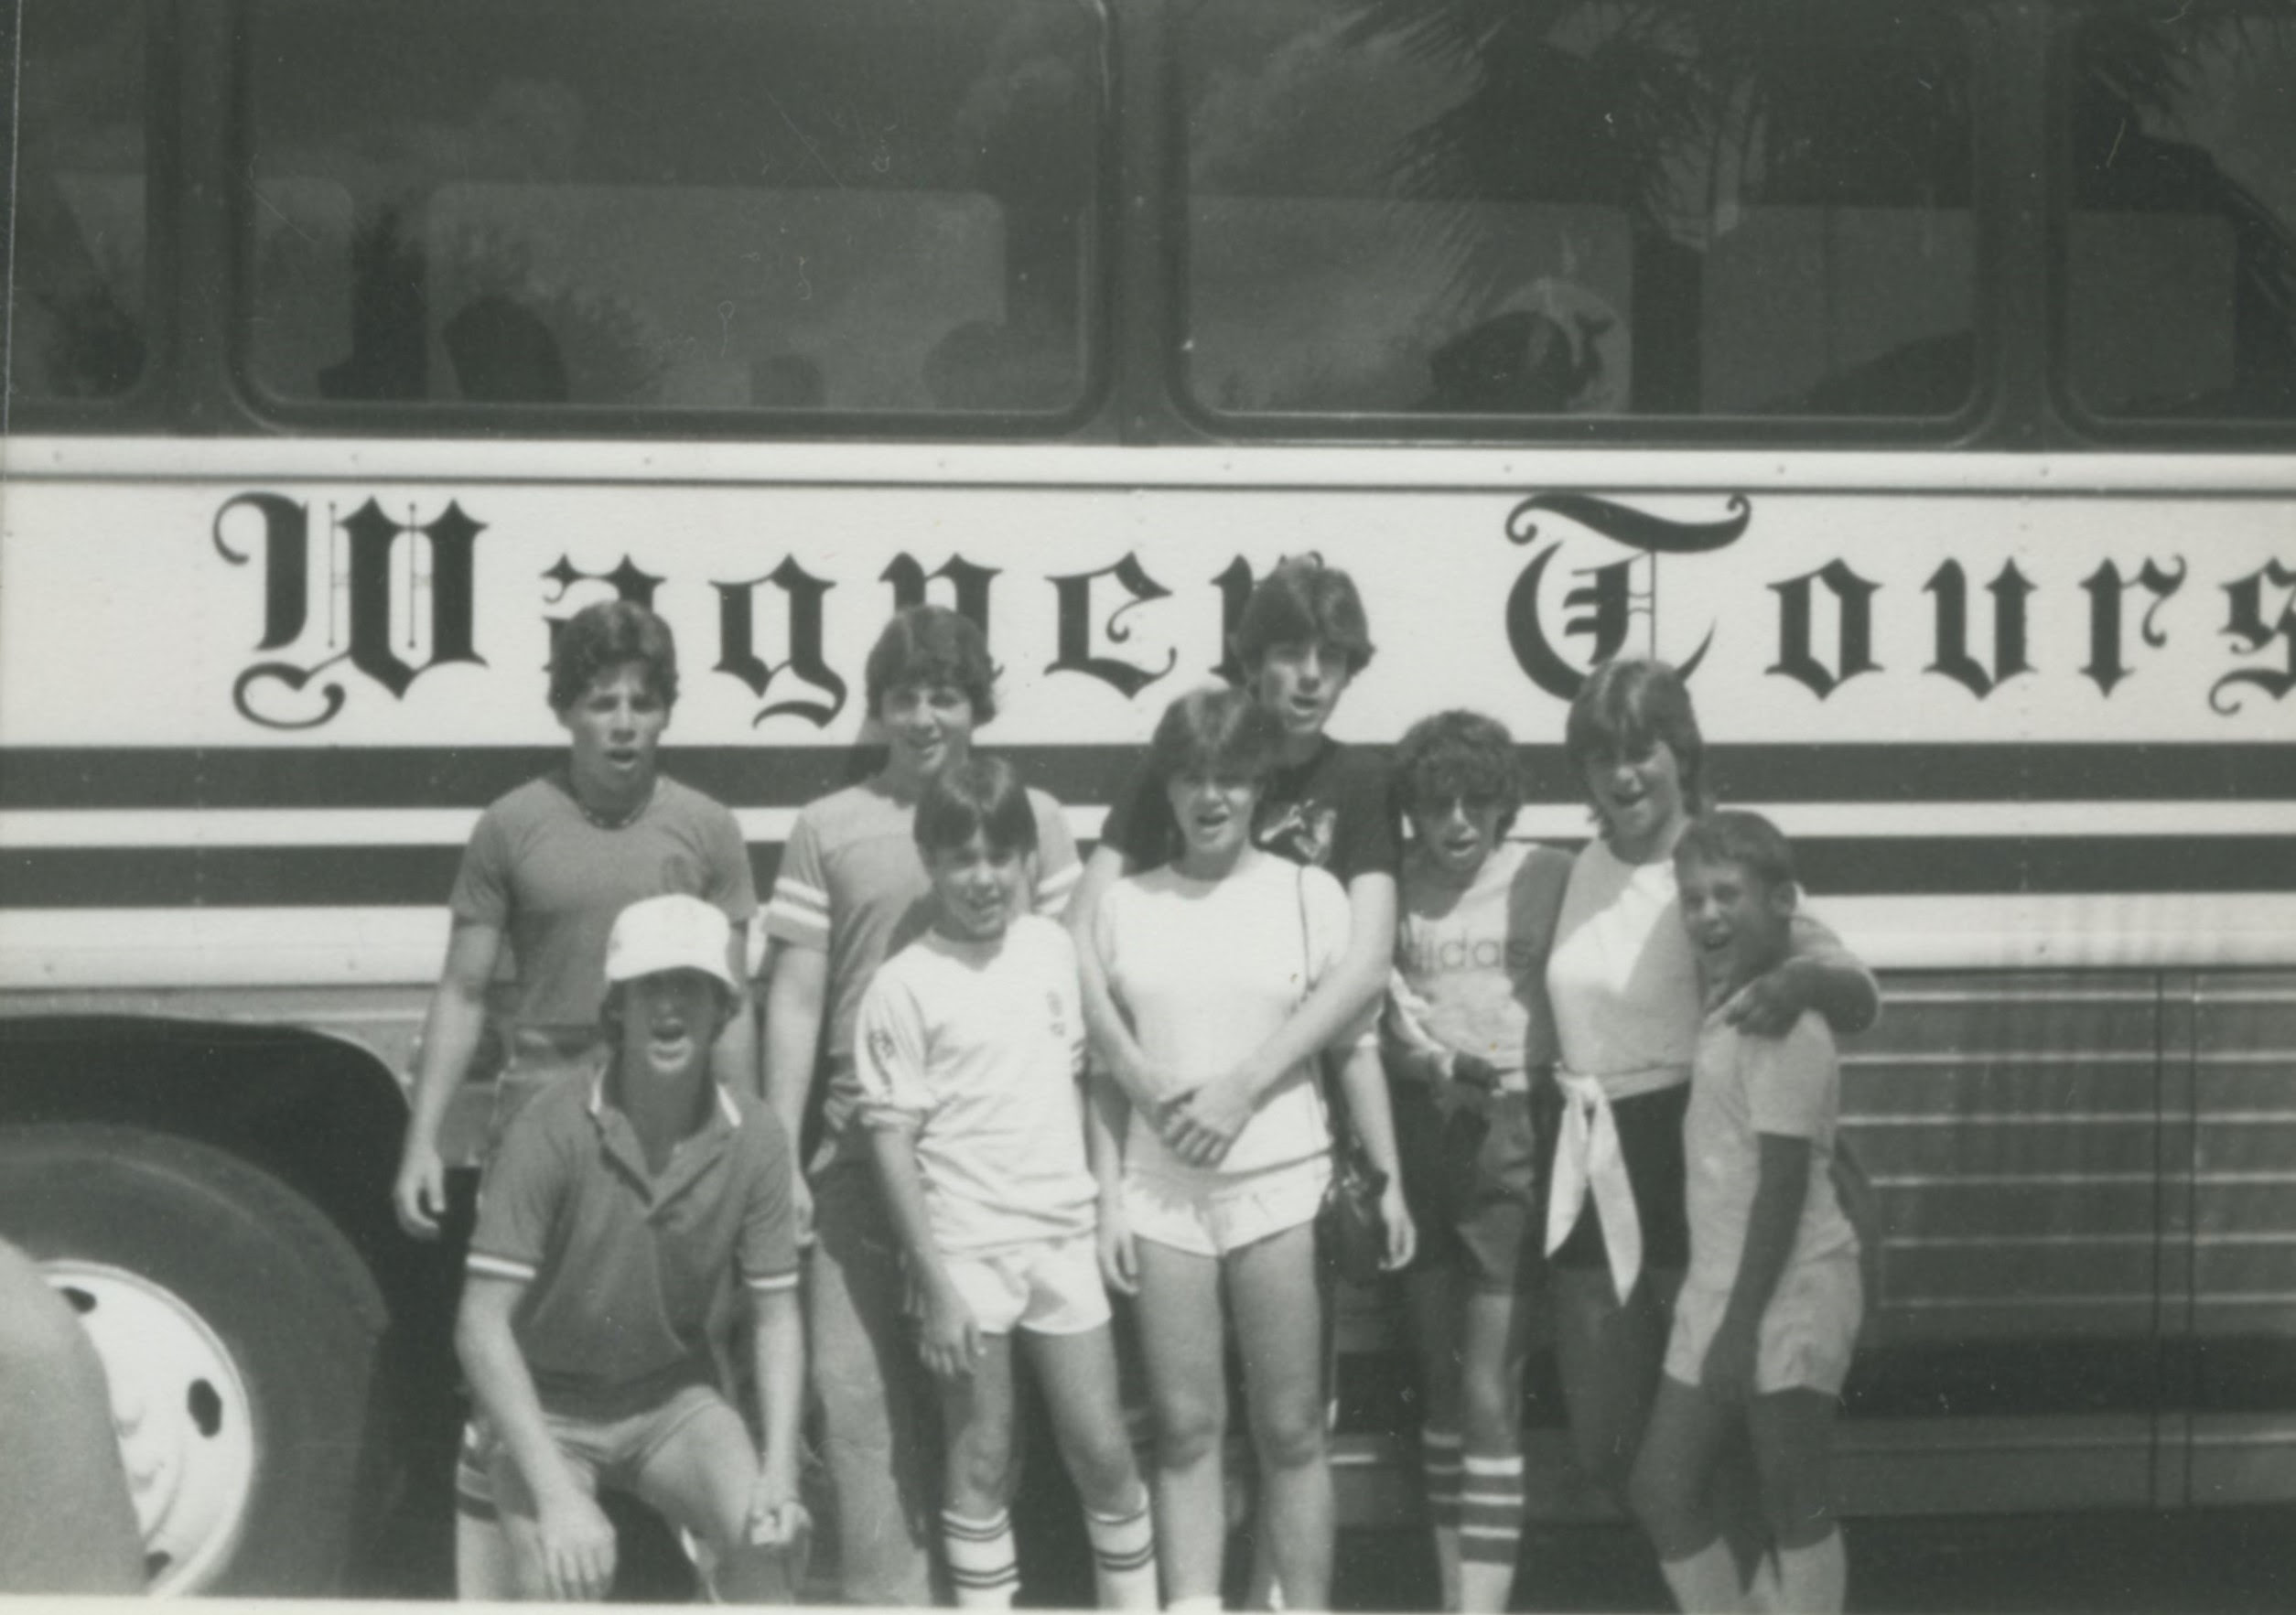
2107	663
1853	628
2249	628
2010	589
968	584
801	595
1606	603
628	580
1073	626
369	621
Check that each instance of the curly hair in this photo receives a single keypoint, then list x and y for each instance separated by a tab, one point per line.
1460	754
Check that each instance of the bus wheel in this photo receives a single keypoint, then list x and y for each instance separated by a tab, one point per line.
239	1333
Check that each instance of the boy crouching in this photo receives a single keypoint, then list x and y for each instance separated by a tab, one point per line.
970	1044
615	1216
1768	1315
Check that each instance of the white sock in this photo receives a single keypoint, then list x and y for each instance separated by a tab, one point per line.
1439	1461
983	1567
1705	1583
1123	1558
1490	1531
1813	1580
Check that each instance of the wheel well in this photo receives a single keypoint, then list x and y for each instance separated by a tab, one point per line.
323	1117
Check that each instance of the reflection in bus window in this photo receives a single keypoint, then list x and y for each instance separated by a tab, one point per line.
76	299
1582	210
686	206
2181	248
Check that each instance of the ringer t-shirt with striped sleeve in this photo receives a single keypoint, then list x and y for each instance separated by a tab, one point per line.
623	1267
852	886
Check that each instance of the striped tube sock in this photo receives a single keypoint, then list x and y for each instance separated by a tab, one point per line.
982	1565
1123	1558
1490	1529
1439	1459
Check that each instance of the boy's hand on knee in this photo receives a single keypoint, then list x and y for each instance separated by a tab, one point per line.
949	1340
576	1541
1729	1362
776	1519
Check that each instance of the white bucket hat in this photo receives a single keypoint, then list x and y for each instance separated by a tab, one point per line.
671	933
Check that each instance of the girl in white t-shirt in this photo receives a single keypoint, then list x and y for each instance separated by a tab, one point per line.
1204	958
1624	988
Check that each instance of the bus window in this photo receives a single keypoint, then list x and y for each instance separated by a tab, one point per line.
2181	247
874	207
76	311
1574	211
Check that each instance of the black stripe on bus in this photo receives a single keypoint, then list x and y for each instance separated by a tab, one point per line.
2029	1378
64	777
164	876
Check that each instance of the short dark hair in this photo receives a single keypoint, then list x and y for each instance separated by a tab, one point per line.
1733	835
612	633
1459	753
1303	600
980	796
932	645
1216	732
1628	703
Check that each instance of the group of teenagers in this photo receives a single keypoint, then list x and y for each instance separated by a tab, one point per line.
1598	1086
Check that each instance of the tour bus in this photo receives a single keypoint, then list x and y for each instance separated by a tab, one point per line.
1919	377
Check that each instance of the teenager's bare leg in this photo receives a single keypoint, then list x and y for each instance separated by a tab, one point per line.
1430	1302
702	1480
1278	1323
976	1413
1672	1490
1497	1335
1180	1339
1794	1451
1078	1373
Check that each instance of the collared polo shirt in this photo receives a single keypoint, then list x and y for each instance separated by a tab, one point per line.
623	1267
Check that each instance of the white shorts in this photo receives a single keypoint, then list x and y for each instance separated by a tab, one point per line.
1212	1213
1809	1331
1050	1287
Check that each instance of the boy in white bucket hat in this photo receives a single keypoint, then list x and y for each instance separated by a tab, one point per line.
614	1218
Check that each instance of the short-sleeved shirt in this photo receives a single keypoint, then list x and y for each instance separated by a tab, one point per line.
975	1048
623	1268
1472	957
1744	1086
1332	812
1207	971
852	886
1622	975
537	868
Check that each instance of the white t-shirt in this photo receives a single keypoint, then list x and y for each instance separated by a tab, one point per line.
1207	971
976	1047
1745	1086
1621	976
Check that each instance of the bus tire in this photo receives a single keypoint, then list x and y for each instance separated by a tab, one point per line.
239	1333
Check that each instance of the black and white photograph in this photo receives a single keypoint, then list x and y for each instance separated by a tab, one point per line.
1428	805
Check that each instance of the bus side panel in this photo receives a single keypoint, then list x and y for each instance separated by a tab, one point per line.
2244	1239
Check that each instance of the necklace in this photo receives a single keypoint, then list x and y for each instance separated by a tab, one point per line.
603	823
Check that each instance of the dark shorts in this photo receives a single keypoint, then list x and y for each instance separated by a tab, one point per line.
1650	1137
1468	1180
